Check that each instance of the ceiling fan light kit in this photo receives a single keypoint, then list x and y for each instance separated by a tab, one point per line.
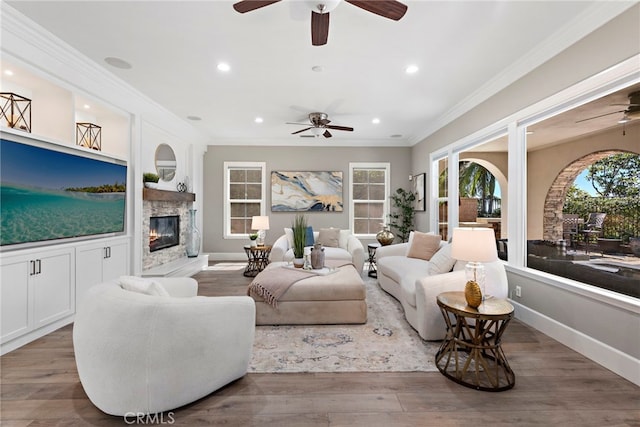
390	9
319	125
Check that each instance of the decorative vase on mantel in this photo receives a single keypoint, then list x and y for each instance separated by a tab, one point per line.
192	241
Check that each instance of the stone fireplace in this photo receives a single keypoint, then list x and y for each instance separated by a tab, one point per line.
163	208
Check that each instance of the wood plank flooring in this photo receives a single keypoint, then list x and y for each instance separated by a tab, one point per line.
555	386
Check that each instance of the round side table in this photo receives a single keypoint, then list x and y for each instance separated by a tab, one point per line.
257	259
471	353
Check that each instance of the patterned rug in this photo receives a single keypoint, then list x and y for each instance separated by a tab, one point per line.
386	343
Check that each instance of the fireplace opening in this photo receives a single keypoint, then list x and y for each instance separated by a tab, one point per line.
164	232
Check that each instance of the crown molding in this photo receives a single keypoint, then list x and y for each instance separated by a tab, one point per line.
582	25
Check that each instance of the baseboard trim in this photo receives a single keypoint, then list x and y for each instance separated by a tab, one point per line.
616	361
34	335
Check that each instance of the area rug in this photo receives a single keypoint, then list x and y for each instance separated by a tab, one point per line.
386	343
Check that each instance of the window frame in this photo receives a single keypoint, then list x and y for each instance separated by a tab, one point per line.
228	167
386	166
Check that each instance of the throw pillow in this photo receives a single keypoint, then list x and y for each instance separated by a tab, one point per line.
329	237
441	261
289	233
344	238
143	286
423	245
309	240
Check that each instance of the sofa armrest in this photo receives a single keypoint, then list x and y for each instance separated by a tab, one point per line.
356	249
279	248
392	250
431	324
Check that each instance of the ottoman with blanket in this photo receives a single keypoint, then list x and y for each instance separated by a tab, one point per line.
293	296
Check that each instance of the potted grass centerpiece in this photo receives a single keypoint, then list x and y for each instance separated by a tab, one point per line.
299	229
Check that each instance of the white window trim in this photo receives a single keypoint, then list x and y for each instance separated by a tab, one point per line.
387	180
226	223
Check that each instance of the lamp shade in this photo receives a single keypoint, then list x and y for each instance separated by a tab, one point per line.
474	244
260	223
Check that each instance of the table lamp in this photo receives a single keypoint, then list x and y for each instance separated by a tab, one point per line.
474	245
260	223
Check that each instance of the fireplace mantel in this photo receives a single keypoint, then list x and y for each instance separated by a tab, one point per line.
167	196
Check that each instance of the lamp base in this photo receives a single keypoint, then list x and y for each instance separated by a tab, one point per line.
473	294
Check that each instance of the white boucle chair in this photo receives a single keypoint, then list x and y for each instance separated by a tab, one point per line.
146	354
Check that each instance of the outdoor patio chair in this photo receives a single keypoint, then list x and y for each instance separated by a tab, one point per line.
593	227
570	228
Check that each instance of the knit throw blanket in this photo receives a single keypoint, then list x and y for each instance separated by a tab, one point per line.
272	283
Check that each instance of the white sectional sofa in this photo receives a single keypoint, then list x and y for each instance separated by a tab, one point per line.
416	283
349	248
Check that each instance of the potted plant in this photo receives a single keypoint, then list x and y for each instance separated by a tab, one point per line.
150	179
402	218
253	237
299	229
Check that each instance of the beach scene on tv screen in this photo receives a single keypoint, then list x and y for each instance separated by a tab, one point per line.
48	195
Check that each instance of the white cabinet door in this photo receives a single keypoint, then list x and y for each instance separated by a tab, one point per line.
53	287
98	263
14	295
37	288
116	264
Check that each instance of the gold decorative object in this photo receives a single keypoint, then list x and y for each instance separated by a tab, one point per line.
385	236
473	294
89	135
16	111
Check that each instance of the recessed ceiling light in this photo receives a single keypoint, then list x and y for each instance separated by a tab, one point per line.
8	72
375	121
259	120
194	118
411	69
223	66
86	106
317	68
396	135
117	63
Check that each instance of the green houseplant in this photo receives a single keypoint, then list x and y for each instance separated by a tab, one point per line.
150	177
299	228
402	218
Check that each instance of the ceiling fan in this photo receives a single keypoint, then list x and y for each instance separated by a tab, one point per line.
319	125
631	112
320	9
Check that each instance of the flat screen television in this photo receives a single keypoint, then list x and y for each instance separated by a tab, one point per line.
53	194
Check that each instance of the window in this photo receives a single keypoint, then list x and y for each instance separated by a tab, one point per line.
244	196
369	197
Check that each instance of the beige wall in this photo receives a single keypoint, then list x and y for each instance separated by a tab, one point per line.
544	166
288	159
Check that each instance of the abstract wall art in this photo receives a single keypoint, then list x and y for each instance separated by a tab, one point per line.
306	191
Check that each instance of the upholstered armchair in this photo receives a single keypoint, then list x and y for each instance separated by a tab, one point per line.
141	353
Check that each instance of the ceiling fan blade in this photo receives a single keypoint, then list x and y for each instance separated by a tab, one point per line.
299	131
319	28
601	115
348	129
386	8
249	5
327	134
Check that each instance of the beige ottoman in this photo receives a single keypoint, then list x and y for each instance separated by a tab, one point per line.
318	300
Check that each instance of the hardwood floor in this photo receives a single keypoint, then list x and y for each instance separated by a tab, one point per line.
554	386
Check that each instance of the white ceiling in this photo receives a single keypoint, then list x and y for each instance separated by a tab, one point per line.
465	51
